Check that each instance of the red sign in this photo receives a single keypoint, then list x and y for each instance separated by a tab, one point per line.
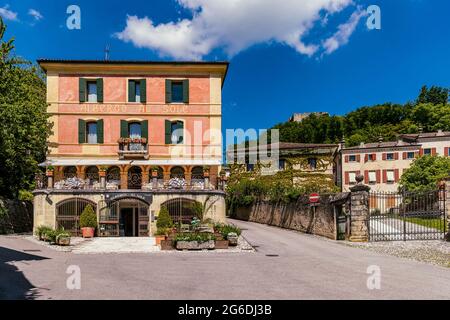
314	198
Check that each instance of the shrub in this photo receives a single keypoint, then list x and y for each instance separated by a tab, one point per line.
225	229
25	195
41	230
162	231
164	220
88	218
191	236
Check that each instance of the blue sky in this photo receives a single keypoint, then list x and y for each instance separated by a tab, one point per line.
278	66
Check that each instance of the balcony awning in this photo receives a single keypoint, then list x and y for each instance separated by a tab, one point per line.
112	162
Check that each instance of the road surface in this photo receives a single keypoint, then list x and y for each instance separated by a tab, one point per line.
287	265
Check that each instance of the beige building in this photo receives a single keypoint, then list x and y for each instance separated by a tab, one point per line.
382	164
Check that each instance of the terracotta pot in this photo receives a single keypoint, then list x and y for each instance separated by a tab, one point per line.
159	238
102	173
87	232
206	173
154	174
49	173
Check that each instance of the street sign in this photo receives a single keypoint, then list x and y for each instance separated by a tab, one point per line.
314	198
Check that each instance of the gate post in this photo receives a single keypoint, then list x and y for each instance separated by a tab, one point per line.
359	211
447	205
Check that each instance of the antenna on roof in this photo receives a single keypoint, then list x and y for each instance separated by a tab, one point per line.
107	51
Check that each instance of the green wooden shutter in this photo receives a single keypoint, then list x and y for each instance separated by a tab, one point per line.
168	132
143	91
168	91
81	131
131	91
186	91
82	89
100	131
123	129
144	131
100	90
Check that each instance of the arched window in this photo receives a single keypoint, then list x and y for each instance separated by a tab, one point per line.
174	132
197	173
70	172
92	174
177	172
135	130
181	209
134	178
113	177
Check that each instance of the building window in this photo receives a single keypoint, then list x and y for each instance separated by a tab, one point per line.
174	132
352	177
410	155
312	163
372	177
137	91
389	156
390	176
281	164
427	151
91	130
91	91
371	157
135	130
177	91
352	158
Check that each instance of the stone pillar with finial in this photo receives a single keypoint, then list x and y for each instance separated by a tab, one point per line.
359	223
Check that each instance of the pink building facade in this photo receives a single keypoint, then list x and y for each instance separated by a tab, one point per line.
143	133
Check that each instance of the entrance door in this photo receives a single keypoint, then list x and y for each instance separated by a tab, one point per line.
128	222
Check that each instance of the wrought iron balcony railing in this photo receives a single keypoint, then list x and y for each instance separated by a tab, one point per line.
130	149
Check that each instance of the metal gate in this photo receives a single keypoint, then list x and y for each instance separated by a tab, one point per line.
68	214
181	210
407	216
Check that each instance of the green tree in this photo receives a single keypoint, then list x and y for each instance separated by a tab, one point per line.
24	130
425	173
434	95
164	220
88	218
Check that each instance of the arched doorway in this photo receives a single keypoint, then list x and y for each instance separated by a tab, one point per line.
135	178
197	178
124	217
68	214
177	172
182	209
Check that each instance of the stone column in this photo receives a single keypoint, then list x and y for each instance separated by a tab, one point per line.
123	177
145	175
359	211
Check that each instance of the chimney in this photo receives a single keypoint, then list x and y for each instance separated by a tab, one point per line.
361	145
440	133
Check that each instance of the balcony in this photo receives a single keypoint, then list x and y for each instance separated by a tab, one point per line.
132	148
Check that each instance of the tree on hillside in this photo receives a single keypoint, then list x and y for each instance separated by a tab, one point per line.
24	128
425	173
435	95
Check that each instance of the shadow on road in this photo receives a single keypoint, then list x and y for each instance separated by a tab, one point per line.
13	284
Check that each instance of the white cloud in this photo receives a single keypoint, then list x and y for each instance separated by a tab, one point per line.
344	32
235	25
35	14
7	14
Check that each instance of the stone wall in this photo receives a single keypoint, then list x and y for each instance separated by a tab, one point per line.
299	215
15	216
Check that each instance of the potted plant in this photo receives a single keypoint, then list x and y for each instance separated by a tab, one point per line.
62	237
50	170
102	171
163	224
206	171
88	222
195	241
154	172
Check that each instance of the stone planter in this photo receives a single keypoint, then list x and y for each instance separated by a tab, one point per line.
87	232
218	236
195	245
232	239
221	244
63	240
167	245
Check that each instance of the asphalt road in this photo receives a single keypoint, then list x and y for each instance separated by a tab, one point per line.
305	267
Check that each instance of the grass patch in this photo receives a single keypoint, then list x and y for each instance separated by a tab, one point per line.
435	223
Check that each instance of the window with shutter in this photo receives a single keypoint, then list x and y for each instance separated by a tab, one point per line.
186	91
123	129
168	91
81	131
100	138
82	90
99	90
